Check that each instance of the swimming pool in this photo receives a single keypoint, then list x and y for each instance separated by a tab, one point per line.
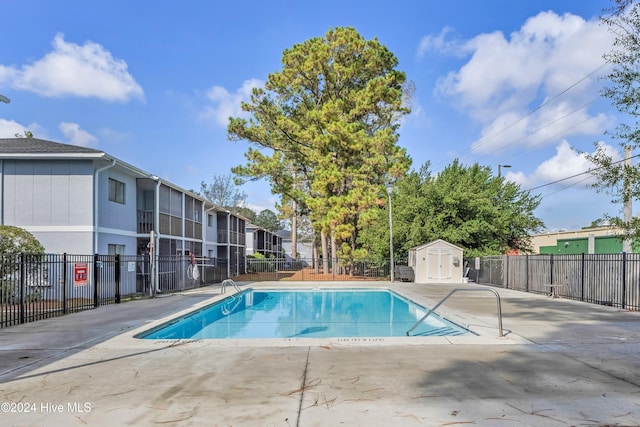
306	313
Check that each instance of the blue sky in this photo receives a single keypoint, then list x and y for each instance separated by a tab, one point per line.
153	83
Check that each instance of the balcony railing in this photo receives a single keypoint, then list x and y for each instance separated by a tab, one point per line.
145	221
172	225
237	238
222	236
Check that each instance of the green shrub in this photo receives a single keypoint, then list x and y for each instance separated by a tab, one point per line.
14	241
258	263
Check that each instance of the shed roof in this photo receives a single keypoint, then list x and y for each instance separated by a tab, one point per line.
436	242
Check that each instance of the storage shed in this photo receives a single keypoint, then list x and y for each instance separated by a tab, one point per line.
437	262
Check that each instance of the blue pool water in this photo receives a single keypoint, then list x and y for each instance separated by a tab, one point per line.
324	313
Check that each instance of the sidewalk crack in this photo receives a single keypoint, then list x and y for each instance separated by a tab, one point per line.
302	386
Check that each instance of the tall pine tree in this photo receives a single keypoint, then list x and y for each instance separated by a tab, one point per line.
329	118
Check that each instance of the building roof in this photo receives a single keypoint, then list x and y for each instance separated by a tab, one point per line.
257	227
284	234
27	147
35	148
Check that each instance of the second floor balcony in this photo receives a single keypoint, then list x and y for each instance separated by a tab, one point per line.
145	221
171	225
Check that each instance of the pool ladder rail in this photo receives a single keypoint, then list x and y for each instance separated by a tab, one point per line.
226	282
500	332
230	306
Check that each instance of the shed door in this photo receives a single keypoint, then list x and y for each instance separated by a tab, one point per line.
439	265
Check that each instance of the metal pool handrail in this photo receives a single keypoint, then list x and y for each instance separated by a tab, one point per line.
226	282
230	306
500	334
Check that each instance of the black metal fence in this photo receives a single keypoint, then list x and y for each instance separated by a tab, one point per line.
35	287
608	279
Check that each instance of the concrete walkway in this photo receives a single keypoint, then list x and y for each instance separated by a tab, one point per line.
561	363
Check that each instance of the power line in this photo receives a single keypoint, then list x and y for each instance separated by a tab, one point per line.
566	188
577	175
548	125
555	135
544	104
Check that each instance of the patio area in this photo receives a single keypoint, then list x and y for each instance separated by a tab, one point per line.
560	363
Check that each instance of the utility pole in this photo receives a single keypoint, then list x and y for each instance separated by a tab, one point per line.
500	169
294	231
391	263
627	211
294	223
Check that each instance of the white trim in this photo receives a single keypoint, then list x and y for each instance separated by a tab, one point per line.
57	228
189	239
53	155
118	232
96	201
435	242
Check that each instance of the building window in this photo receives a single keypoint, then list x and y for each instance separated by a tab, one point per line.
209	220
165	194
176	203
116	191
115	249
192	209
197	211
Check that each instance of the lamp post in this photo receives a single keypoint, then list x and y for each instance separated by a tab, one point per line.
4	99
500	168
389	191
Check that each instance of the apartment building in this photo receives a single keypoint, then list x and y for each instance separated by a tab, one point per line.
264	242
80	200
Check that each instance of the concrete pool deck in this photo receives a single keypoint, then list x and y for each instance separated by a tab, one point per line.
561	363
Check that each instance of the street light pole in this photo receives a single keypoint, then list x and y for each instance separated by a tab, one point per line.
4	99
389	191
500	169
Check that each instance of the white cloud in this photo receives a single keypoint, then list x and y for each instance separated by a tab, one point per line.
508	77
87	70
77	136
566	163
7	74
227	104
9	129
418	117
518	177
439	43
261	203
557	121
